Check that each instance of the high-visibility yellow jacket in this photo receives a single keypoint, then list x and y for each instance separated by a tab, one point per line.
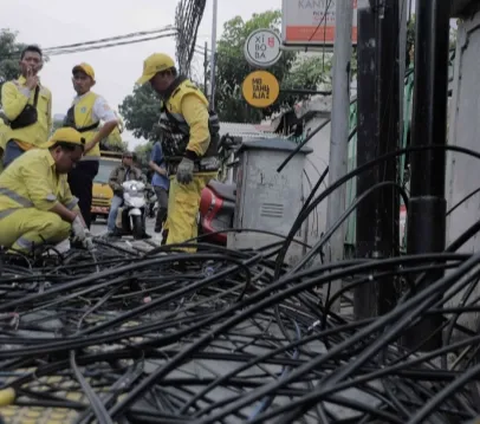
15	97
84	118
31	181
3	135
188	108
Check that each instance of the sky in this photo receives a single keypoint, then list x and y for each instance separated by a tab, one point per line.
57	22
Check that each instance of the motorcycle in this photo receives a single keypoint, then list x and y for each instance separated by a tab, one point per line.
132	213
152	203
217	204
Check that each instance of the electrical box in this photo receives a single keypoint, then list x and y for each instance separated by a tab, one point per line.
268	200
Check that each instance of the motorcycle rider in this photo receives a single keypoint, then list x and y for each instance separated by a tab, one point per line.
127	171
189	142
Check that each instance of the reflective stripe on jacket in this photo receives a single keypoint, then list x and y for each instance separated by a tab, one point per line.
31	181
15	97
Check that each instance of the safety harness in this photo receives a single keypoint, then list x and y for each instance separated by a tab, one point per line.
176	133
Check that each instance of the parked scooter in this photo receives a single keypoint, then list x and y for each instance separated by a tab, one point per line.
217	204
131	215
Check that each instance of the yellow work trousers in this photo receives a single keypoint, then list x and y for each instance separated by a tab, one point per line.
183	205
26	229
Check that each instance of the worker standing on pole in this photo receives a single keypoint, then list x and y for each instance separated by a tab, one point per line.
36	204
189	141
87	111
27	105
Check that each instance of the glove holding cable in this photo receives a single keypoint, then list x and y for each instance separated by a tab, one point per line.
81	234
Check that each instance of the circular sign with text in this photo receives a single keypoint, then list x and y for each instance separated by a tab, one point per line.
260	89
262	48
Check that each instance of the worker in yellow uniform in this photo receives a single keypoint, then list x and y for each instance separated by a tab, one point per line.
189	141
36	204
85	115
3	138
27	104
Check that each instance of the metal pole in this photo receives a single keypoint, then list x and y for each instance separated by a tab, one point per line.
213	54
426	215
378	133
205	69
339	130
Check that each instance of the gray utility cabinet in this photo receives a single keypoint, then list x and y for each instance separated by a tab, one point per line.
268	200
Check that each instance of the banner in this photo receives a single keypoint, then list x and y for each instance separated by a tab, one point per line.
312	22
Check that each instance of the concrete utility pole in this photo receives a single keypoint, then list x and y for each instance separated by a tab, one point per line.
213	54
339	130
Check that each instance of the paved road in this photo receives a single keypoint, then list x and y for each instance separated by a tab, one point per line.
100	227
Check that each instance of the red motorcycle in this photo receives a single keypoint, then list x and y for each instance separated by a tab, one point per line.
217	205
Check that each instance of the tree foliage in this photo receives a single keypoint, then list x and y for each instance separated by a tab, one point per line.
232	68
143	152
9	48
141	109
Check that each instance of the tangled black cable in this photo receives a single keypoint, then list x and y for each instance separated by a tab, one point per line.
226	336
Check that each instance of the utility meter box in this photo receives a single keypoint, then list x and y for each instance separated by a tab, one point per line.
268	200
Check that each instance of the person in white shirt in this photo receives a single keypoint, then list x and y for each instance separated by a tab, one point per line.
87	111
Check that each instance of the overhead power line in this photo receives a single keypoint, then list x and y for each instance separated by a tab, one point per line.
109	45
119	40
115	38
188	17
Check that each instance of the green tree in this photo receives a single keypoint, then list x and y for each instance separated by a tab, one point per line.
232	68
143	152
142	108
9	49
141	111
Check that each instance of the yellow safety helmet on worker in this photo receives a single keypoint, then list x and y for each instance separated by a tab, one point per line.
36	204
189	143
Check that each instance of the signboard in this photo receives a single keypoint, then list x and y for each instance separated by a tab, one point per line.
262	48
260	89
312	22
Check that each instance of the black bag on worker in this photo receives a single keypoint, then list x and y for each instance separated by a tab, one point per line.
69	121
28	116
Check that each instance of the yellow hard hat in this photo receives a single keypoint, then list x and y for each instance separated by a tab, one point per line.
157	62
66	135
85	68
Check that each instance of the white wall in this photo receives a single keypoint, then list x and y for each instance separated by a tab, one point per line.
463	172
315	165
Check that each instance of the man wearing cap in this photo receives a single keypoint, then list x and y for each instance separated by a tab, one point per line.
189	142
87	111
27	105
36	204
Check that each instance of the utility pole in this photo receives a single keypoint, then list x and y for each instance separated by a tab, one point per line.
205	69
213	57
377	229
339	130
427	206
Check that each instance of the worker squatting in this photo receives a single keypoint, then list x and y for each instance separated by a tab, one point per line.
46	186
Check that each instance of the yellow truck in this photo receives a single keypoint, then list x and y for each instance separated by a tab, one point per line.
102	193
